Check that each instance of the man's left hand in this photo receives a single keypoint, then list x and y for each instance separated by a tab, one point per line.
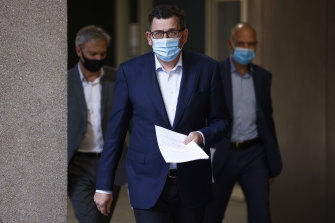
103	202
194	136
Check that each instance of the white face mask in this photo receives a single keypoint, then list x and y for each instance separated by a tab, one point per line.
166	49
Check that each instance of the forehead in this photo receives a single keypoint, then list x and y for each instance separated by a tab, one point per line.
165	24
245	35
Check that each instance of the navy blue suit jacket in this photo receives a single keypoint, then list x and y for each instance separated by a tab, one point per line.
265	123
138	100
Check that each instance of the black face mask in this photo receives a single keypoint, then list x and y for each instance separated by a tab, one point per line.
92	65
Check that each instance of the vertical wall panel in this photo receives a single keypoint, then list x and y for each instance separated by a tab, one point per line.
295	51
330	112
255	18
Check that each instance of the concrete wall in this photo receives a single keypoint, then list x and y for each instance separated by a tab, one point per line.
33	59
297	45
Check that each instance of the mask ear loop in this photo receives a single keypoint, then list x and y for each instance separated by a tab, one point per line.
232	44
183	43
82	55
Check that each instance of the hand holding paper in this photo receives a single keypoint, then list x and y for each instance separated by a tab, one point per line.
174	150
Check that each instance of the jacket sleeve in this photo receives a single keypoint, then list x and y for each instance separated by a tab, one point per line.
117	129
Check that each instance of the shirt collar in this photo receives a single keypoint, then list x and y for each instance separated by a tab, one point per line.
159	66
233	69
84	81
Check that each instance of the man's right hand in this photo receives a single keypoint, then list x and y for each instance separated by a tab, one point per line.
103	202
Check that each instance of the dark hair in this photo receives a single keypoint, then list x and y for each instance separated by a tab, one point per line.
165	12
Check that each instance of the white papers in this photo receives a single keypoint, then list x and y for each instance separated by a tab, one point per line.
173	149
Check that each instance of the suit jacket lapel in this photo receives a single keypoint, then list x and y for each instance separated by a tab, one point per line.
257	88
104	97
79	94
227	84
153	88
187	87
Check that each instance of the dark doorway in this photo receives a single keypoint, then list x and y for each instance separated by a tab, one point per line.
89	12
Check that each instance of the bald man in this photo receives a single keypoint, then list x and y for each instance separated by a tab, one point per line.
250	154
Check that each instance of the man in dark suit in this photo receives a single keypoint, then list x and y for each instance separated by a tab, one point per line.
175	89
90	94
250	154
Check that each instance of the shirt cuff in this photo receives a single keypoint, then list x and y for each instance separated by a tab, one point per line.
104	191
203	137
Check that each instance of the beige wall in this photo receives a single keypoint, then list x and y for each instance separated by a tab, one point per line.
297	39
33	60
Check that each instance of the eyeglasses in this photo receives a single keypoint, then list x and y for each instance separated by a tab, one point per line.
169	34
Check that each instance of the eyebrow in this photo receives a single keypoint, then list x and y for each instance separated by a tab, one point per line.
172	29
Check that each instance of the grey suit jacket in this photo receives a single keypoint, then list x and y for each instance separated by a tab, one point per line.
77	109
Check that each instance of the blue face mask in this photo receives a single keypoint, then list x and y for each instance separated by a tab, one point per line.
243	55
166	49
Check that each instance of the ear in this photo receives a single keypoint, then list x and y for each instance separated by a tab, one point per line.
148	36
78	51
185	36
230	45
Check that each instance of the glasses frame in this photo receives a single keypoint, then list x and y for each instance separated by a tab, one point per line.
167	33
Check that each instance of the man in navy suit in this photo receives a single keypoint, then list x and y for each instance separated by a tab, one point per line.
250	154
175	89
90	97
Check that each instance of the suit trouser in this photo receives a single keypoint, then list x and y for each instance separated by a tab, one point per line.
249	168
82	174
169	208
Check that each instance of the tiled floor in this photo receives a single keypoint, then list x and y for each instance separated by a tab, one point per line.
236	212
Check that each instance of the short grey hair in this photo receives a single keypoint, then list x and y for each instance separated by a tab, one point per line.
91	32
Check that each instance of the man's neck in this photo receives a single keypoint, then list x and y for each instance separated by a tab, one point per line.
241	69
88	75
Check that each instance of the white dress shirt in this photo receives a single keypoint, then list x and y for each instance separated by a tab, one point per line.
169	84
93	139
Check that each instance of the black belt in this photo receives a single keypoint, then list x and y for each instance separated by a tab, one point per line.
245	144
172	173
89	155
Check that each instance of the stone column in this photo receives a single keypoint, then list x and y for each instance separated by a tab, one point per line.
33	103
